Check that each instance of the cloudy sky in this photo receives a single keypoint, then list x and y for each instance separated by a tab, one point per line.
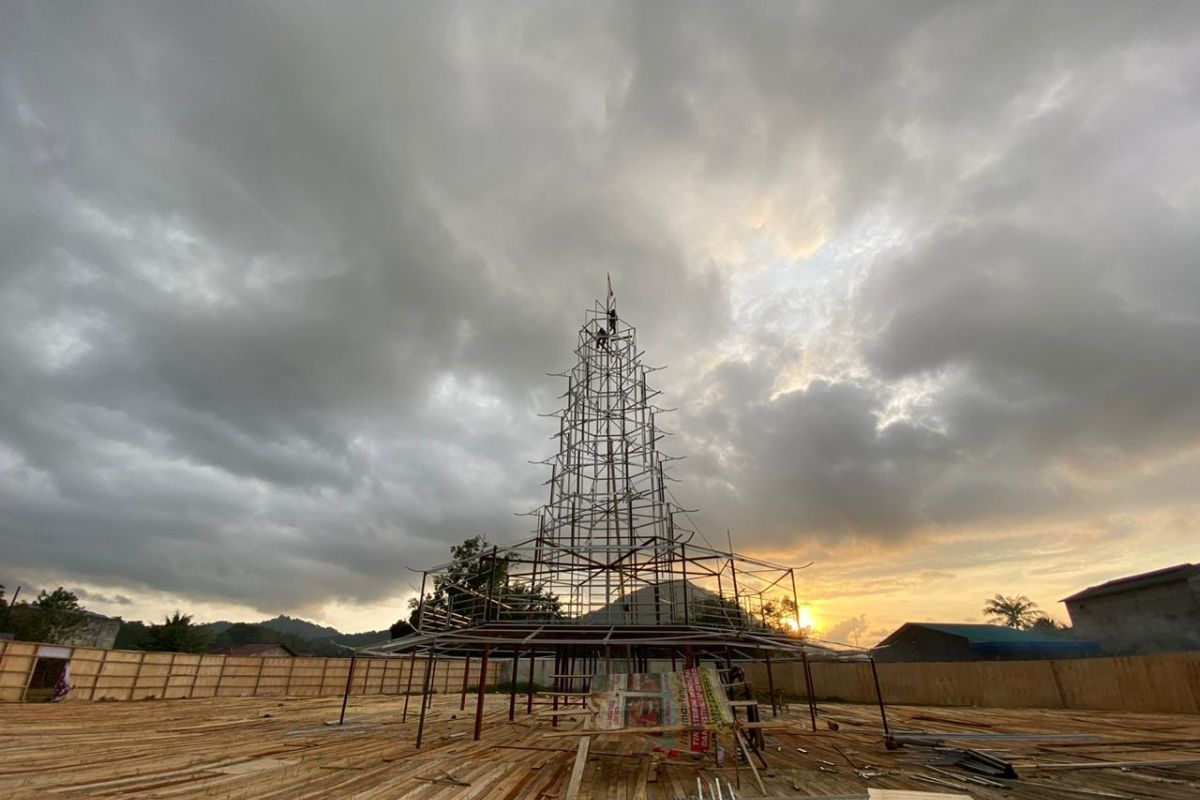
280	283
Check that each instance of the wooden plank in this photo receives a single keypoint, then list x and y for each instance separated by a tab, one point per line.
769	725
1167	762
643	779
267	748
749	760
581	754
902	794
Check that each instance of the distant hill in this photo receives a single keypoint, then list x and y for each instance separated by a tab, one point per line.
300	635
644	607
285	624
299	627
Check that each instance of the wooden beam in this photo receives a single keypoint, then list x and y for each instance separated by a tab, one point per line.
581	754
672	729
753	769
1168	762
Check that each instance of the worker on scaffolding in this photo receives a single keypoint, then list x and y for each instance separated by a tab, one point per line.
602	338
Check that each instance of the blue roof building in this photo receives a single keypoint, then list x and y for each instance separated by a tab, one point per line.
944	641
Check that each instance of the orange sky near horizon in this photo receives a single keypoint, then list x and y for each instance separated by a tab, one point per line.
859	592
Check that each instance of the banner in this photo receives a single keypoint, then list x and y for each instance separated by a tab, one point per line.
689	698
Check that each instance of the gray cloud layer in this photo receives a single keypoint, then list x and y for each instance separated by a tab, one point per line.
281	285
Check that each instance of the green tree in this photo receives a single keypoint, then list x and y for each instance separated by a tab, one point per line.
707	608
400	628
782	615
52	617
527	602
1015	612
475	587
58	615
131	636
17	619
1045	624
177	634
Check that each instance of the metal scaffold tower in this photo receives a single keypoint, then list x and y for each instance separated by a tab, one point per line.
608	529
609	547
610	568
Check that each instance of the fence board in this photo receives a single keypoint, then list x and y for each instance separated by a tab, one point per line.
134	675
1167	682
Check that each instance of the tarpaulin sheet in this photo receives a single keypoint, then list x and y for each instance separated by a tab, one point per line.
689	698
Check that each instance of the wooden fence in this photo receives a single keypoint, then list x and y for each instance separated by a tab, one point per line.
136	675
1167	682
1158	683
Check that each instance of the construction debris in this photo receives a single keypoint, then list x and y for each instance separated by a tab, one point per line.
983	763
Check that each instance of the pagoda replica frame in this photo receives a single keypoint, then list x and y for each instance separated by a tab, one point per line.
611	573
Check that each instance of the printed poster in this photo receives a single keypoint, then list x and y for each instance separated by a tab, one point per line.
663	700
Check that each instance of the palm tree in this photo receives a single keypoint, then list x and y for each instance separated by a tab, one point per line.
177	634
1015	612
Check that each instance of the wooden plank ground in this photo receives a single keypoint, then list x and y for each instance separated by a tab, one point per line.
258	747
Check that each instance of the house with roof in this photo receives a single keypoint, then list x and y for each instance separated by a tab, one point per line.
945	641
1150	612
96	630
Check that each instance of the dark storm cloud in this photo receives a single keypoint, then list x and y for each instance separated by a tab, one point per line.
1038	321
281	284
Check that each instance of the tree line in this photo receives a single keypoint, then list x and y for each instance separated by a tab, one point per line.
1018	611
50	617
57	616
177	633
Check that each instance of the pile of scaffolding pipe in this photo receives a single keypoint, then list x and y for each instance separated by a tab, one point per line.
714	792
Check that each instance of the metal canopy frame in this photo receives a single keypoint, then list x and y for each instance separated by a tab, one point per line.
652	637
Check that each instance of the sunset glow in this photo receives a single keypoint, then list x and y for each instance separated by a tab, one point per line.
805	622
806	618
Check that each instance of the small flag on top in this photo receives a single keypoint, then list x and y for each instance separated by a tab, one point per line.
609	276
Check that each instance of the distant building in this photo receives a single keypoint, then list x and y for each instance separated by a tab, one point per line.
97	630
937	641
1154	611
257	650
